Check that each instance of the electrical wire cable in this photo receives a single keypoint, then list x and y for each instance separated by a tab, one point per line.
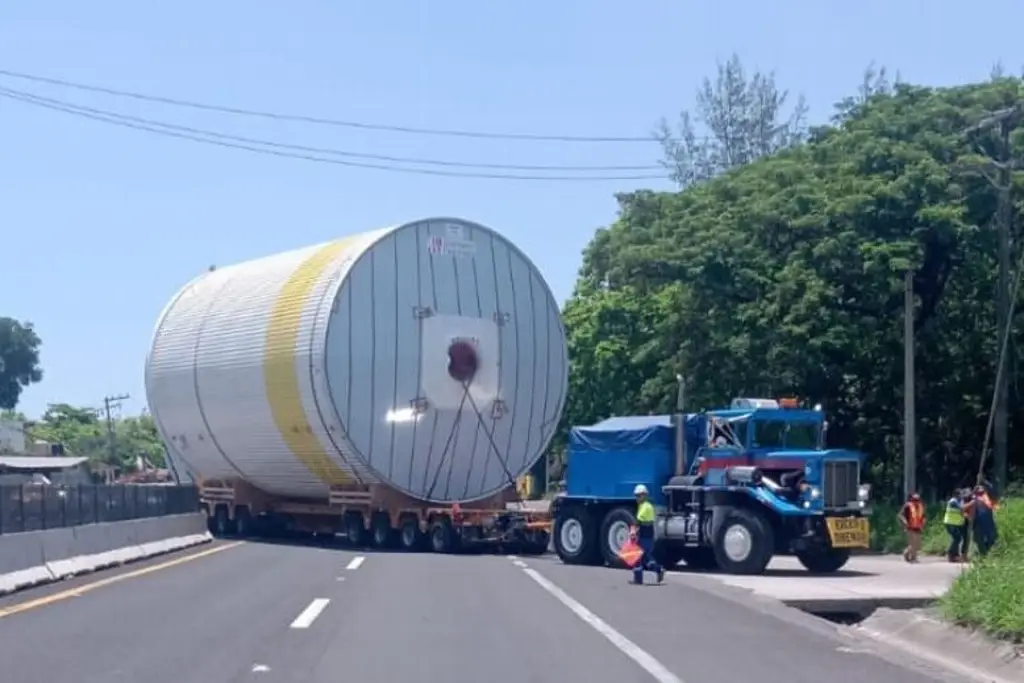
318	120
22	95
223	140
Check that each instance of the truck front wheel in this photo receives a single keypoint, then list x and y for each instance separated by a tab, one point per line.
744	542
575	536
823	560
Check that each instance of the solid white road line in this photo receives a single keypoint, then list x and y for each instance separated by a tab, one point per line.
356	563
643	658
309	615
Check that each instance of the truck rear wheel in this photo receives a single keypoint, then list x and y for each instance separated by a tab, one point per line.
824	560
614	534
576	536
744	542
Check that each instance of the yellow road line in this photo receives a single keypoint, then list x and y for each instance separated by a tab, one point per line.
83	589
280	375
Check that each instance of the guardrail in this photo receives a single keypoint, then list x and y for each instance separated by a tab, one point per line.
36	507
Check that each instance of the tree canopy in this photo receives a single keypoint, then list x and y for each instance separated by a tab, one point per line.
786	275
19	360
84	433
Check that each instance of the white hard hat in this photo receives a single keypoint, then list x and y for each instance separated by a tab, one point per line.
639	490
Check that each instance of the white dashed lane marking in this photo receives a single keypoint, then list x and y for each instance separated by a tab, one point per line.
356	563
309	615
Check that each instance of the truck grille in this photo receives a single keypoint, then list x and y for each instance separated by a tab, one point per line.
840	482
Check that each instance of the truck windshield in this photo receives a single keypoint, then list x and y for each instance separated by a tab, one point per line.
783	434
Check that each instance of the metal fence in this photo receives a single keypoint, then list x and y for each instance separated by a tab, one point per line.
35	507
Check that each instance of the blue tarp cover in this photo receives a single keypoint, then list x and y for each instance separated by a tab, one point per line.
639	432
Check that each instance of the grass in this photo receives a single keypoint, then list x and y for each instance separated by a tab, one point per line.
990	594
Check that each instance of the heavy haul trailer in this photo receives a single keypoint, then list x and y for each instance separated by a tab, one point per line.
413	371
732	488
377	517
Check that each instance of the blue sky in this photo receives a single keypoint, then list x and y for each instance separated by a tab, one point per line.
101	225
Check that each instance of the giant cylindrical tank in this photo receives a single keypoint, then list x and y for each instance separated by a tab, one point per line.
429	357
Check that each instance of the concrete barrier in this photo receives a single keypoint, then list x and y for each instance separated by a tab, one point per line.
34	557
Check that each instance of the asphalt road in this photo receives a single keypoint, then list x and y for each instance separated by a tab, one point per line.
245	612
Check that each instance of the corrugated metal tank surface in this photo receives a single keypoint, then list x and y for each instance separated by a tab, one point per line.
329	365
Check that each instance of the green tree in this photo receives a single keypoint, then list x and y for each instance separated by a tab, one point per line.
738	119
19	360
84	433
786	275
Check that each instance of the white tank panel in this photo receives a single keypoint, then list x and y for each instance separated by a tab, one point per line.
330	364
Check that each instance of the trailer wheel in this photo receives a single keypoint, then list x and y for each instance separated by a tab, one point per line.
243	521
442	536
409	535
576	537
222	525
382	533
355	530
824	561
614	534
744	542
536	543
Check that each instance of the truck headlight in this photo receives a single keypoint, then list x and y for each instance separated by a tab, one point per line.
814	493
864	493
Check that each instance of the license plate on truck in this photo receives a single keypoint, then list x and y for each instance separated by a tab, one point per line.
848	532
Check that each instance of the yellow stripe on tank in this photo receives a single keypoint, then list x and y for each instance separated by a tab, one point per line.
280	375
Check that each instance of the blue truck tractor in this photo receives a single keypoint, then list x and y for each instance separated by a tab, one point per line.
732	487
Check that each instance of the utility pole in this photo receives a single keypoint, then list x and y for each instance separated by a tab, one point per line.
909	389
1002	122
108	403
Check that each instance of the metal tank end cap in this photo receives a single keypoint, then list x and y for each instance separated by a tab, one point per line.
463	361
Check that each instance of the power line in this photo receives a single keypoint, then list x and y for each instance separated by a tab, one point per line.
22	95
318	120
222	140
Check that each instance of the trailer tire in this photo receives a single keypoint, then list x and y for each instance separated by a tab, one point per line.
744	542
409	535
824	560
382	534
355	530
576	536
442	536
614	534
222	525
536	543
243	522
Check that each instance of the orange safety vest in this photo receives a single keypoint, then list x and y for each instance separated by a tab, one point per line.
915	516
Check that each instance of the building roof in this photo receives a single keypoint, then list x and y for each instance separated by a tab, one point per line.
28	463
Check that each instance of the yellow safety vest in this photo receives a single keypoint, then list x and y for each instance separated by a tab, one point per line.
645	512
954	515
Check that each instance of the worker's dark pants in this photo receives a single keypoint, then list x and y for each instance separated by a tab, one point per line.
985	533
647	561
957	541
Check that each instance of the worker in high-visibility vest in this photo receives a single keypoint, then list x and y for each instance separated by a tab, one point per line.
644	531
985	532
956	526
912	519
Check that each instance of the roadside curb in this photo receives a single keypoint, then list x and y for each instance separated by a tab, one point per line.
969	653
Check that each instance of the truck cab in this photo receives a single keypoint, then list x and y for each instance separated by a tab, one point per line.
733	487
